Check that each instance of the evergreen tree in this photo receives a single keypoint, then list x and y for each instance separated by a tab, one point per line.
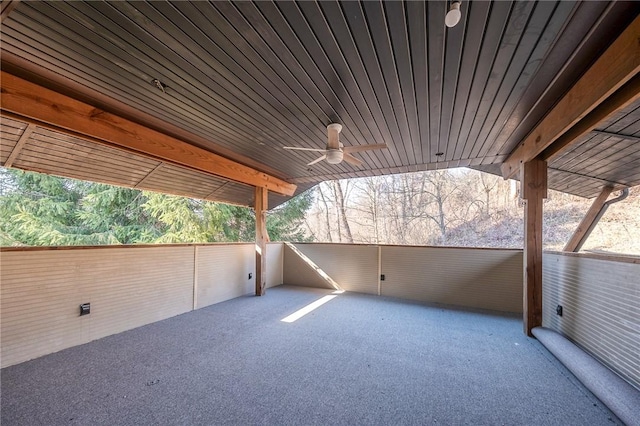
38	209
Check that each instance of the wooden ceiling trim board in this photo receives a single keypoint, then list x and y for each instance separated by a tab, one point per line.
452	62
79	151
602	155
19	145
293	44
85	172
578	149
69	87
397	16
617	135
272	49
577	182
527	61
7	8
358	48
260	55
366	97
418	29
625	96
561	64
510	47
615	67
75	145
628	118
219	42
342	101
498	18
581	151
361	26
98	68
29	100
435	54
477	19
257	152
616	165
103	166
148	175
327	37
224	66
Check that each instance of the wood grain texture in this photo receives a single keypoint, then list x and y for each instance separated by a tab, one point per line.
587	221
38	103
260	208
617	65
534	190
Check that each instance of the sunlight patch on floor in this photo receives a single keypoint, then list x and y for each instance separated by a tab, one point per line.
309	308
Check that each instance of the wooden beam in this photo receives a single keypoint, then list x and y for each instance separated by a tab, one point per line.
616	66
588	220
534	189
40	105
626	95
261	200
7	7
19	145
618	135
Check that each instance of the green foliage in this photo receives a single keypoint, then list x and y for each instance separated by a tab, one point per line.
285	221
38	209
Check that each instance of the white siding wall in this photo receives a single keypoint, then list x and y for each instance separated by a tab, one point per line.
275	260
352	267
223	273
601	308
478	278
41	290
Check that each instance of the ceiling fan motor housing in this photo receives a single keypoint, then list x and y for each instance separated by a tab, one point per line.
334	156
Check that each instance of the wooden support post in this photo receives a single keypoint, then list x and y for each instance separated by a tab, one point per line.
261	239
534	190
588	222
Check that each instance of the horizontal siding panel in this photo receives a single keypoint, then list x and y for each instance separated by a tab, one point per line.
352	267
478	278
41	292
223	271
275	259
601	308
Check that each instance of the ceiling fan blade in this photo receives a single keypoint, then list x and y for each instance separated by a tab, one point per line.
333	138
297	148
360	148
352	160
317	160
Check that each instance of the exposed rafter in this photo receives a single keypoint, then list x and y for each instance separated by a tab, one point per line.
42	106
619	64
19	145
7	7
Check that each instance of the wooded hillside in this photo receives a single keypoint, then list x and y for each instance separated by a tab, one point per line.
458	207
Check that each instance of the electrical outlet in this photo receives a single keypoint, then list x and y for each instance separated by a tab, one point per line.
382	277
85	309
559	310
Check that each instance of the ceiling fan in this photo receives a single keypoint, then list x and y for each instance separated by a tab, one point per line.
335	152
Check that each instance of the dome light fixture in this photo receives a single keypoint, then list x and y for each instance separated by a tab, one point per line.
453	15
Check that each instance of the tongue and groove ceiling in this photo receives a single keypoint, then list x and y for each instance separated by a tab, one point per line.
244	79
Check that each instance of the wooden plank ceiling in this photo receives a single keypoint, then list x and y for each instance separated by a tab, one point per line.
244	79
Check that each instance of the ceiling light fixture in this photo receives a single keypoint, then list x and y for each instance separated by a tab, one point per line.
453	15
